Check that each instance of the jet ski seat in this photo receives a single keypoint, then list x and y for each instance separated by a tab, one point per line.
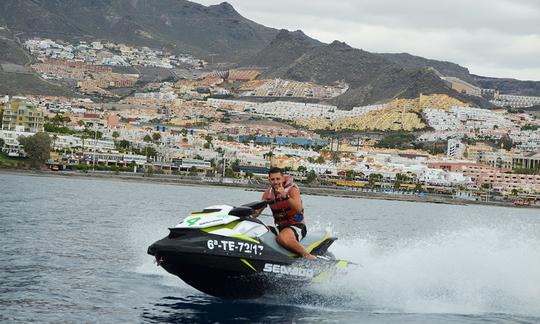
311	242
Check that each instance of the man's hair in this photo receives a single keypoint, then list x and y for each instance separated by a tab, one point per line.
275	170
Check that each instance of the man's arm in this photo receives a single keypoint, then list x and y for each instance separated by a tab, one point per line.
295	202
260	210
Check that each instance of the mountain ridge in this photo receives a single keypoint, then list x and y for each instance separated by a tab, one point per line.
221	32
372	78
171	24
506	85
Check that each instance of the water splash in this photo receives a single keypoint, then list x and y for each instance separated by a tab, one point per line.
473	271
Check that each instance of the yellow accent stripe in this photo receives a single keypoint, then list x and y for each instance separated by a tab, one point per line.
321	277
213	228
342	264
245	238
315	244
248	264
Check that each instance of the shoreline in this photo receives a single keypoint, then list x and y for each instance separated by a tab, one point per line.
307	190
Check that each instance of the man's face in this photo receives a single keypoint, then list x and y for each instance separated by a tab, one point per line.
275	179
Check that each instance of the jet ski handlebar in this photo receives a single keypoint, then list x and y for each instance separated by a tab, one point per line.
247	210
259	204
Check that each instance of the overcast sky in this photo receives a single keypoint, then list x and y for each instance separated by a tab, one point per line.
498	38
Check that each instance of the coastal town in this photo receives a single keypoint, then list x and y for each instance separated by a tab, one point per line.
203	161
147	112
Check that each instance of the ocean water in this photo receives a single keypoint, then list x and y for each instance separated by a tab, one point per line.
74	250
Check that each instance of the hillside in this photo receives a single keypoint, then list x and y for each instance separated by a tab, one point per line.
16	78
505	85
397	115
219	32
371	77
509	86
177	25
445	68
282	51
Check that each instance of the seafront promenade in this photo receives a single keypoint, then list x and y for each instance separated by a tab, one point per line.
261	186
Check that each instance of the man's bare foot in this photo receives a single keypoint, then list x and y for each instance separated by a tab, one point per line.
309	256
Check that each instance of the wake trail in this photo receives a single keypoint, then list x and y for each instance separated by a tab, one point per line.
472	271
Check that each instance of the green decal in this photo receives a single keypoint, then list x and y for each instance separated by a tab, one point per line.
192	221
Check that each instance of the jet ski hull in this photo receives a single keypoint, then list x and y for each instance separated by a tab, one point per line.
223	281
231	267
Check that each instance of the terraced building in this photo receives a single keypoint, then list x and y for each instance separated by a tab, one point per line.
20	115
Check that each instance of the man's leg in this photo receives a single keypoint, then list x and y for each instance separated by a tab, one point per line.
287	239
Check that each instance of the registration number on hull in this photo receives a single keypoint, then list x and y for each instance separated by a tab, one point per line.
234	246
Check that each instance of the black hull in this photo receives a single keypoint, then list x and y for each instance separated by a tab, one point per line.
226	277
224	273
222	284
235	284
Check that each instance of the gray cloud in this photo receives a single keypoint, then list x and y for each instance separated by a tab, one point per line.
498	38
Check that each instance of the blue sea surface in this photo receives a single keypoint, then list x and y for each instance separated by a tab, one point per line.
74	250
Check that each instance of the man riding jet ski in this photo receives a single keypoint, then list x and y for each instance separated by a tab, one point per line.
288	211
225	252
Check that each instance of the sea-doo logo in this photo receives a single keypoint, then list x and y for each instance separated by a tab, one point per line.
287	270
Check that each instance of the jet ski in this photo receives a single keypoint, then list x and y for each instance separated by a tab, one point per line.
225	252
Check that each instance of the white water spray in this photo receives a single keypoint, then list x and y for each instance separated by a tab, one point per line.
473	271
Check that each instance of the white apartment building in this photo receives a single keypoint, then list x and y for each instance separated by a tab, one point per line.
114	158
465	119
285	150
165	96
292	110
62	142
527	141
320	169
440	120
10	137
443	178
235	105
515	101
455	148
439	136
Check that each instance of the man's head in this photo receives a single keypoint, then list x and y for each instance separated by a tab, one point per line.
275	177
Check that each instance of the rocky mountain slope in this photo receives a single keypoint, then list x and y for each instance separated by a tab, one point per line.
174	24
372	78
222	33
505	85
282	51
18	79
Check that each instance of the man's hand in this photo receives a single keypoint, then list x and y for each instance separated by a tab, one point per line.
280	192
